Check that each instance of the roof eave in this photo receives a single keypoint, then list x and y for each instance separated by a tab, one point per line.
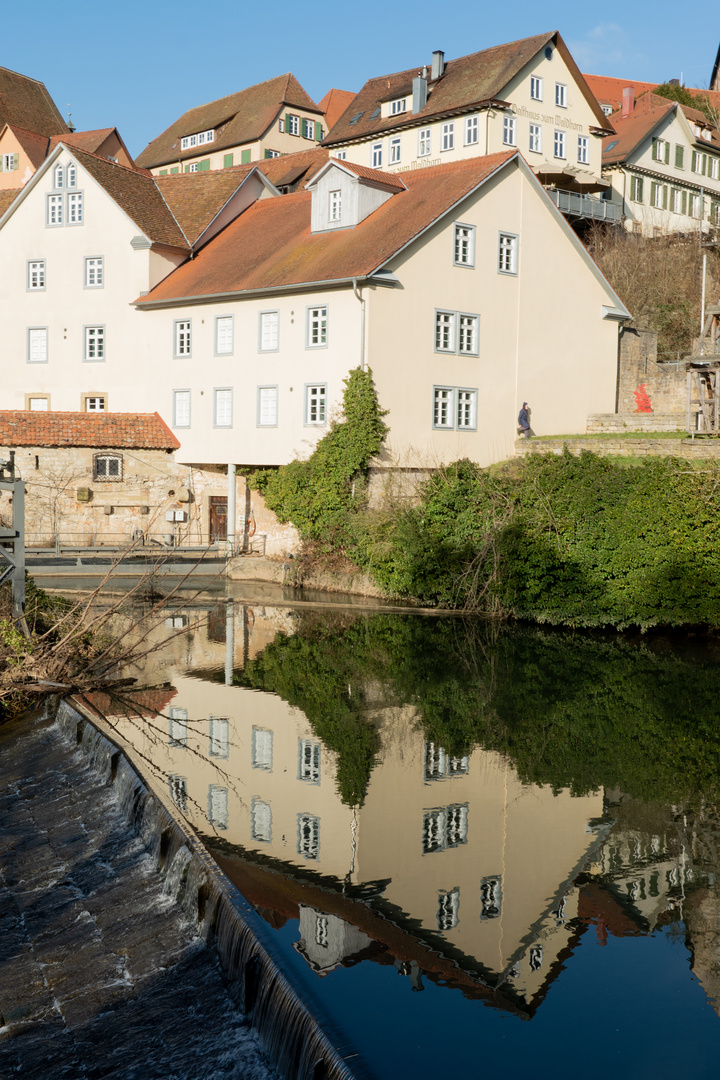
234	294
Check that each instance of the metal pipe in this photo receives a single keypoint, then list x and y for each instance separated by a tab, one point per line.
702	304
362	323
231	509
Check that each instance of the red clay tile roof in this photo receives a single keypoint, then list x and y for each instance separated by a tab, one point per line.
240	259
116	431
609	90
136	193
631	130
7	196
239	118
26	102
334	104
92	141
195	199
466	83
35	146
390	179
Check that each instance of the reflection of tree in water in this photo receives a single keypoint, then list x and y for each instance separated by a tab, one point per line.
569	710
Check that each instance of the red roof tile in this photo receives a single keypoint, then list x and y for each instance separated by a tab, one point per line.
26	102
631	130
236	119
7	197
34	145
608	90
334	104
116	431
240	259
390	179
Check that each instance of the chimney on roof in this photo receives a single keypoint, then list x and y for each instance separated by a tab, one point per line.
438	64
673	82
628	102
419	92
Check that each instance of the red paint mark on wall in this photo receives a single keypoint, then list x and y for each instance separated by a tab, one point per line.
642	399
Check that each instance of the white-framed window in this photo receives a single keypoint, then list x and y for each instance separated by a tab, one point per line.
443	407
181	408
178	727
192	167
38	404
424	141
341	155
94	402
308	129
198	139
272	153
261	821
10	162
694	205
507	253
317	325
377	157
108	467
269	333
536	87
224	335
222	407
463	245
658	195
395	150
58	178
445	326
178	792
292	124
491	897
219	734
561	95
472	130
447	136
218	806
94	272
37	345
54	210
315	403
439	765
308	836
509	130
398	106
559	144
75	207
36	275
182	336
448	913
267	406
71	175
583	150
713	168
262	749
676	201
535	140
444	827
698	163
636	189
335	208
468	326
466	410
94	344
309	761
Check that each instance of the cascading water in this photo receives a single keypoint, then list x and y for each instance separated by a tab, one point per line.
293	1039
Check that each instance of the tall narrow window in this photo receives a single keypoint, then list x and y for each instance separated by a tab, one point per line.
335	205
309	761
54	210
36	275
71	174
178	792
267	406
466	410
315	404
468	334
377	159
559	144
583	150
445	331
471	130
308	836
178	725
183	339
218	806
448	909
395	151
75	208
561	95
457	825
94	273
269	330
507	253
443	407
37	351
509	130
223	407
490	897
424	141
219	745
181	408
535	141
464	245
636	189
223	335
262	749
261	821
94	343
447	136
58	177
536	88
317	318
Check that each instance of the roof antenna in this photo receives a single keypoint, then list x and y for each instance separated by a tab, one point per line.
71	126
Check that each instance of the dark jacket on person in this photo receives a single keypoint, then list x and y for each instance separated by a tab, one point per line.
523	418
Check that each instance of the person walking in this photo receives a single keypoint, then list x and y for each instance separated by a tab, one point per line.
524	420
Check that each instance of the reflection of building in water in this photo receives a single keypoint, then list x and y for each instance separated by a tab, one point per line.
326	941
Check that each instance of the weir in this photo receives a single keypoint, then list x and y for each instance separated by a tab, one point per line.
295	1042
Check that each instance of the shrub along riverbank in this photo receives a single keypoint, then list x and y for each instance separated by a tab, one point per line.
570	541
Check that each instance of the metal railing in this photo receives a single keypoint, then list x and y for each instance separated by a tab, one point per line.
151	545
569	202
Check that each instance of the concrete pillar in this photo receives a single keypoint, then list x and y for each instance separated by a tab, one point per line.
231	509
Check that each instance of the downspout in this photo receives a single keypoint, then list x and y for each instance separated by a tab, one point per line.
231	508
362	323
487	132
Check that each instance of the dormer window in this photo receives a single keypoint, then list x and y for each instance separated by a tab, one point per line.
398	106
198	139
335	205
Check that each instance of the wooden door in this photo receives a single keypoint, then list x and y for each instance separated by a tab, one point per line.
218	518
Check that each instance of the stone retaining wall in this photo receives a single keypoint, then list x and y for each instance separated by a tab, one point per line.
622	422
690	450
642	378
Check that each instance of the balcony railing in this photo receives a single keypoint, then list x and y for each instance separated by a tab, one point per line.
569	202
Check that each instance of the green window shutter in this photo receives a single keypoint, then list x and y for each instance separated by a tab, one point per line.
16	161
287	123
204	166
163	172
654	149
187	168
641	185
227	161
679	156
665	196
267	154
693	166
318	132
653	192
174	170
684	202
245	157
667	153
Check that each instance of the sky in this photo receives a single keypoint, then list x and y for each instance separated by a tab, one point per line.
139	65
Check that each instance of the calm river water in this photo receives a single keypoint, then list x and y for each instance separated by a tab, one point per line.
481	850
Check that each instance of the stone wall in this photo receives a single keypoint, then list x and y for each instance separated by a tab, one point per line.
689	449
642	378
622	422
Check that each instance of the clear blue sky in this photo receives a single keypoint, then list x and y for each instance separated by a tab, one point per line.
139	65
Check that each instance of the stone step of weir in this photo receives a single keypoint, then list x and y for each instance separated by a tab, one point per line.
622	422
699	449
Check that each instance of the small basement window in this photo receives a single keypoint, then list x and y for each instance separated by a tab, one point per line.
107	467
